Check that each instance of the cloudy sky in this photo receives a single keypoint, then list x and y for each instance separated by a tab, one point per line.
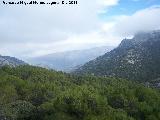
35	30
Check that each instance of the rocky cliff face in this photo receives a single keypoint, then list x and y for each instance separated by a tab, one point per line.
11	61
135	59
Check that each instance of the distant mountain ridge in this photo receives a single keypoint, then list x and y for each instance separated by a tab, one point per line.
135	59
69	60
10	61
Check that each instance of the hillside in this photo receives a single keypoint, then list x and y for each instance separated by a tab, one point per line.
134	59
10	61
69	60
33	93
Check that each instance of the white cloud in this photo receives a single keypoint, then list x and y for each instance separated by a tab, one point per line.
109	2
38	29
143	20
108	26
34	30
74	42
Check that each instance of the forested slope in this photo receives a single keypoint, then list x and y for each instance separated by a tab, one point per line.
33	93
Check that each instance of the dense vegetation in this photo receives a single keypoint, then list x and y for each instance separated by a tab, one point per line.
33	93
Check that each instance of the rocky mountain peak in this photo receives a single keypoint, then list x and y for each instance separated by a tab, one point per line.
11	61
140	38
147	36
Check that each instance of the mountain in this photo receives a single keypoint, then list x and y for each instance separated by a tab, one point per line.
70	60
136	59
11	61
